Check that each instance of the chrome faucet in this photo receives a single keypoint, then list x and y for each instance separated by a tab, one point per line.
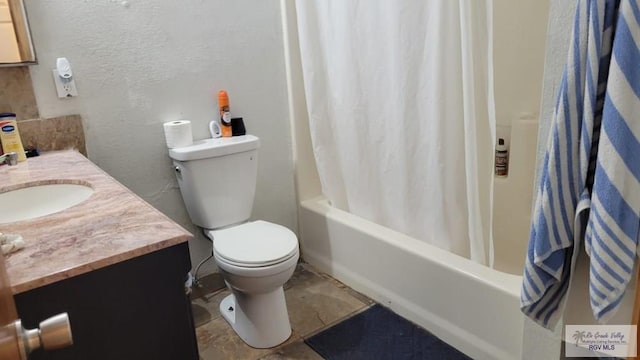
10	158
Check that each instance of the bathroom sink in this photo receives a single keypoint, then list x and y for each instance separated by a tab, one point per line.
39	200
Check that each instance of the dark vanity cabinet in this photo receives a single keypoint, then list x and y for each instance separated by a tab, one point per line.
134	309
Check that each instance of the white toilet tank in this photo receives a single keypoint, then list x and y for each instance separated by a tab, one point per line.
217	179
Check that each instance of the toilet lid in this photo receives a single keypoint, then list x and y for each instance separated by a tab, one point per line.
257	243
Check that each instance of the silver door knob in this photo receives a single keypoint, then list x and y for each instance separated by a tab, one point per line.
53	333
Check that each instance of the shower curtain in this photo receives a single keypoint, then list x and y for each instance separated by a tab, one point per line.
400	104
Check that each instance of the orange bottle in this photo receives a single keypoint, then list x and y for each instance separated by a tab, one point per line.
225	114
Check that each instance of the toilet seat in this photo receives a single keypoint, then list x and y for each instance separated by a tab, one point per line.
254	244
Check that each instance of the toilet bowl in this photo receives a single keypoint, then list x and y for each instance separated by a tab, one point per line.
256	259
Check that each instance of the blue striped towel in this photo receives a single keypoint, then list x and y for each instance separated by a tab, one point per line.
611	238
563	194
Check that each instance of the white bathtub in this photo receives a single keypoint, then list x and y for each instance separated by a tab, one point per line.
470	306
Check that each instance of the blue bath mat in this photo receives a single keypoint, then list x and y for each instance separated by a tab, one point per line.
378	333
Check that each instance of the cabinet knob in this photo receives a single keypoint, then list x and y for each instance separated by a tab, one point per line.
53	333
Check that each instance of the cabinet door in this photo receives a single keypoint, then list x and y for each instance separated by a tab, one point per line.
9	345
16	342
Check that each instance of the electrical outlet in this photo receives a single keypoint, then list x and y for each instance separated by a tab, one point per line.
64	87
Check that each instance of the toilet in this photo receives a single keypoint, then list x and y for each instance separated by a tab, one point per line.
217	179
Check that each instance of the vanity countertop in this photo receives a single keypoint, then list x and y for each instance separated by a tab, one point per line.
112	226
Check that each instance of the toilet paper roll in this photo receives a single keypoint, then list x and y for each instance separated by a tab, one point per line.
178	133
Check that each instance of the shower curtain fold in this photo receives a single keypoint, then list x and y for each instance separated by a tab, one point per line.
400	105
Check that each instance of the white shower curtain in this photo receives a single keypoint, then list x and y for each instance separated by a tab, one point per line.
400	103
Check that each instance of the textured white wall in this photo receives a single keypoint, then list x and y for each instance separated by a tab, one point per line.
138	64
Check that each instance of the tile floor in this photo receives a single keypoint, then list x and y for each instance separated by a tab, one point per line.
315	301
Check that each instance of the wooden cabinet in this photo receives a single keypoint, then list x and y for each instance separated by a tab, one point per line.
135	309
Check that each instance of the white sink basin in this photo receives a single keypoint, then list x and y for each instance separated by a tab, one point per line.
40	200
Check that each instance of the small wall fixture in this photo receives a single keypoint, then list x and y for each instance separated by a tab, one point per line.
63	78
